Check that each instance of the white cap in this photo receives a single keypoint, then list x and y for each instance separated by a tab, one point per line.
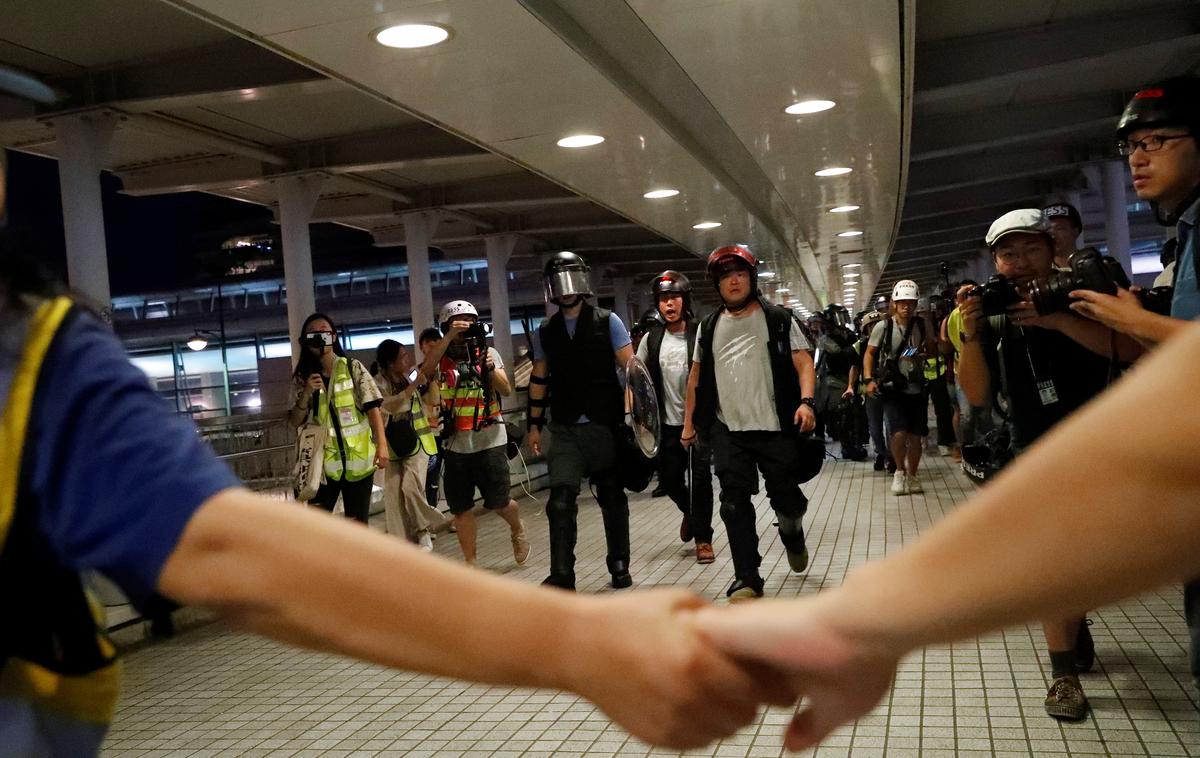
456	308
1025	220
906	289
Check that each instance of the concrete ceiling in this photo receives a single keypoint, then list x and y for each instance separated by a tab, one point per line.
1015	104
229	97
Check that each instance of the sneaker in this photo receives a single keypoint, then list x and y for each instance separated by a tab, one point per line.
879	462
1085	648
899	484
944	451
740	591
659	491
704	552
798	561
685	530
520	547
1066	700
425	542
913	484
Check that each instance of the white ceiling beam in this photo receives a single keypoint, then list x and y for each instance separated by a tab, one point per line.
208	174
192	134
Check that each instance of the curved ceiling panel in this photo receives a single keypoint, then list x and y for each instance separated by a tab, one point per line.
689	95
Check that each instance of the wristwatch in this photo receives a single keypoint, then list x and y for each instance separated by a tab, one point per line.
810	402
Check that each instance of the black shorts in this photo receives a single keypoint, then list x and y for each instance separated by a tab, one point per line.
907	413
486	470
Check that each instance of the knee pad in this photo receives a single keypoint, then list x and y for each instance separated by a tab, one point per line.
734	502
610	494
562	502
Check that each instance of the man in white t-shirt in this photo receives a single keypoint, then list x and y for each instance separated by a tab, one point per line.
666	351
750	389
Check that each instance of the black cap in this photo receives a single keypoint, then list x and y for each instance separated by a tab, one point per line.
1064	210
1171	102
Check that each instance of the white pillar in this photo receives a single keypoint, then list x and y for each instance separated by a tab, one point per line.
83	142
499	250
418	231
297	198
621	286
1116	215
1075	198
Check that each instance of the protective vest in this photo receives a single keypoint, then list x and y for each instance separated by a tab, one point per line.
836	354
783	370
654	339
583	376
54	653
350	450
471	404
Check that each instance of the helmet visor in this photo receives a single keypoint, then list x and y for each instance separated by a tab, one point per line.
568	281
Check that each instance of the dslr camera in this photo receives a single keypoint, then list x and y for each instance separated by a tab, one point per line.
475	336
997	293
1098	273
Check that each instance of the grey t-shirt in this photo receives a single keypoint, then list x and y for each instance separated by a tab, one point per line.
911	365
745	388
673	361
492	435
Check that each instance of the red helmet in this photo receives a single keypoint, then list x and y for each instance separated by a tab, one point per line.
721	254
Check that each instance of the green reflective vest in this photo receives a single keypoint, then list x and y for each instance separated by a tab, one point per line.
350	447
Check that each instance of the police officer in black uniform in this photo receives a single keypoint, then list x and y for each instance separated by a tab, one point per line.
577	353
834	357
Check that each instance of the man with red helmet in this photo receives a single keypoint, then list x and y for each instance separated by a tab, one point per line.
749	389
667	351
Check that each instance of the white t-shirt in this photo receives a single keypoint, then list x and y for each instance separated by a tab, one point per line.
742	362
673	362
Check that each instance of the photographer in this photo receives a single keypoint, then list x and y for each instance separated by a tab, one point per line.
1065	227
894	369
474	455
1046	366
872	403
341	394
1157	132
667	352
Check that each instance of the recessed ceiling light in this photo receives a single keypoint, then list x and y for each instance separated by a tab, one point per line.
706	225
782	289
844	209
809	106
850	274
851	265
834	171
849	234
766	274
412	35
580	140
659	193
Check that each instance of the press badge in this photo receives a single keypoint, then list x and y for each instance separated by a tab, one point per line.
1047	393
346	416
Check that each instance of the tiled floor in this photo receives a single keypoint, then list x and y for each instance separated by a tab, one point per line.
214	691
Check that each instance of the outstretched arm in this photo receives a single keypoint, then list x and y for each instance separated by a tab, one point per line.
283	572
1118	512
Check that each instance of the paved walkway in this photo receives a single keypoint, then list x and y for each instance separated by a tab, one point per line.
216	691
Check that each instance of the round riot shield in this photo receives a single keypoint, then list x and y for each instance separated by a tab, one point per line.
647	426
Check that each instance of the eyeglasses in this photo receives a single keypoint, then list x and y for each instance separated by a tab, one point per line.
1150	144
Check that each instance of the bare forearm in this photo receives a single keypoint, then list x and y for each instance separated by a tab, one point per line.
1152	329
1124	524
500	382
1099	339
689	404
284	572
808	376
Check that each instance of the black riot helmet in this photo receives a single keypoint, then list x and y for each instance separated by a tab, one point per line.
564	275
1171	102
837	315
674	283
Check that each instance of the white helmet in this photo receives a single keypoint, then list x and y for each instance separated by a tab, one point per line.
455	308
906	289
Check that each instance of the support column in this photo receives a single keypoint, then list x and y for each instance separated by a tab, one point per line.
1116	215
83	142
621	286
499	250
297	198
645	300
418	231
1075	198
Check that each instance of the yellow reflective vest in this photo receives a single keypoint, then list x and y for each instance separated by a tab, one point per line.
350	446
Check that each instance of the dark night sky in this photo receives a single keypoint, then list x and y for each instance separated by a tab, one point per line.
153	242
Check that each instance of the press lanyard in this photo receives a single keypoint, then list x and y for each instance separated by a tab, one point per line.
1047	393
